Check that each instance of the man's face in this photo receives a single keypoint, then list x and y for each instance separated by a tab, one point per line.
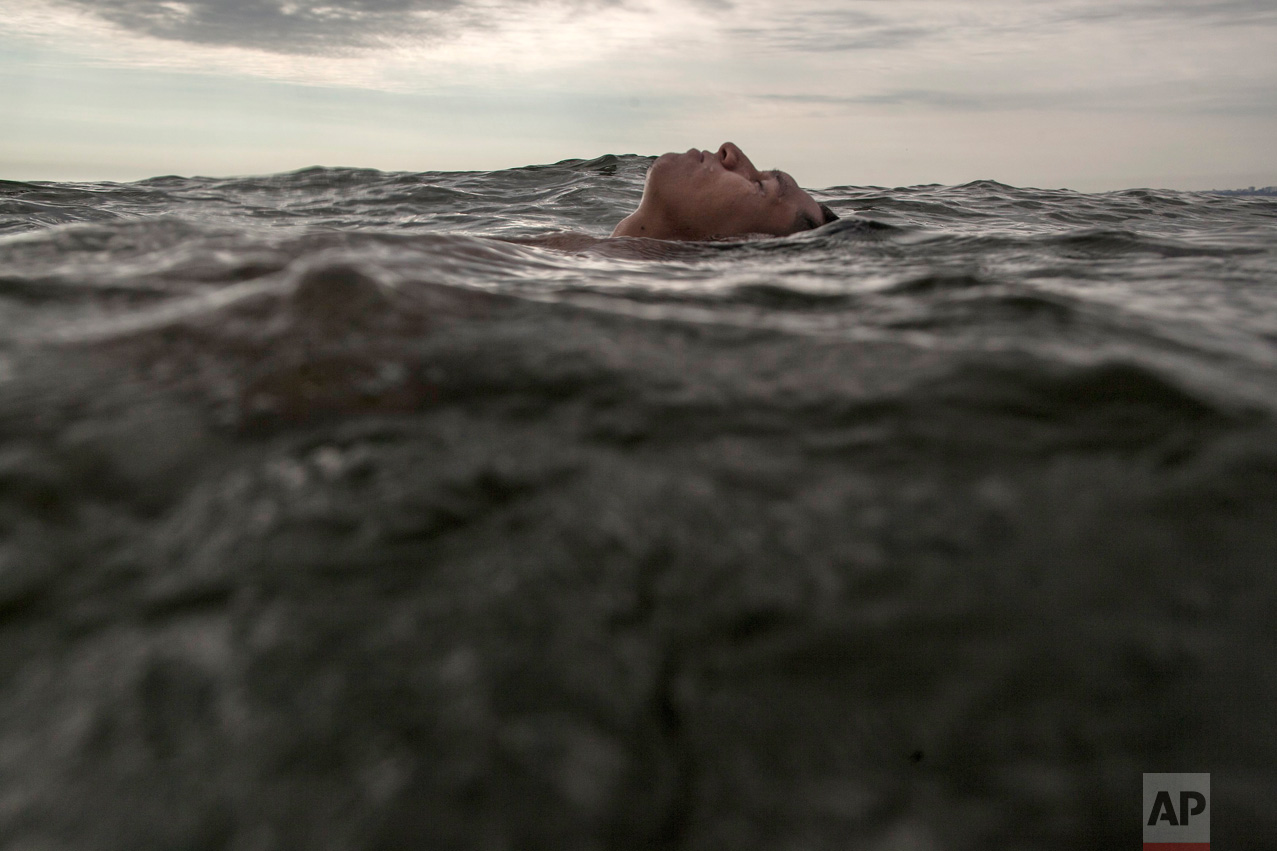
705	194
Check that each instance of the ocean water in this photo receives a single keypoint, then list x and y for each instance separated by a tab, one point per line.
343	509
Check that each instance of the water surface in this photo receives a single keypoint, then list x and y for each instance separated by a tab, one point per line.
340	510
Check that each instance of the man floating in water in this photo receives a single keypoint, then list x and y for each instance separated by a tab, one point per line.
704	195
699	195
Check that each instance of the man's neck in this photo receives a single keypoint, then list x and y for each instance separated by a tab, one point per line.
635	224
646	222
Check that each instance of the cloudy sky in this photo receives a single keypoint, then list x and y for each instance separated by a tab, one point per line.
1084	94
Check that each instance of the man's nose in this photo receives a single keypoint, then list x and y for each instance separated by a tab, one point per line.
734	158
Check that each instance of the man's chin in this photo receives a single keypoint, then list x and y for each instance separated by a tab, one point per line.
665	161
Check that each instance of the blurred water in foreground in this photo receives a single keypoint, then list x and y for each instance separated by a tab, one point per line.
332	518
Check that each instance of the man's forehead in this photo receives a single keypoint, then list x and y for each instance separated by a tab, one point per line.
808	211
799	195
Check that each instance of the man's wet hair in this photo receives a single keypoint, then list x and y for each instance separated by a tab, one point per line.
806	222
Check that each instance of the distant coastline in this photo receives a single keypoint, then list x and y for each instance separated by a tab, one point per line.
1267	190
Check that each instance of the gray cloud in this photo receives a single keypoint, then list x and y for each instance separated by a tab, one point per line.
1197	99
290	26
330	26
933	98
837	30
881	25
1210	12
